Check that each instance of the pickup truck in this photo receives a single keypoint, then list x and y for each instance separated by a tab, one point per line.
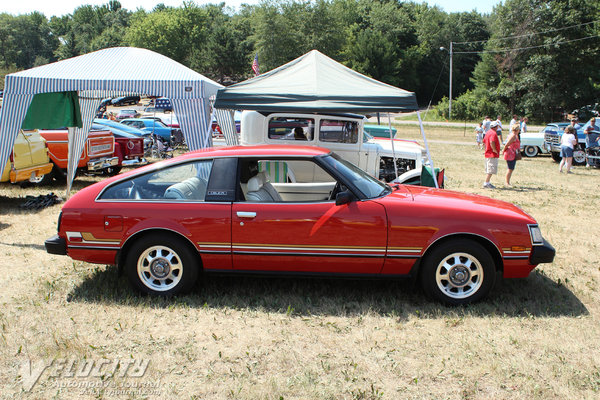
342	133
29	160
98	152
552	136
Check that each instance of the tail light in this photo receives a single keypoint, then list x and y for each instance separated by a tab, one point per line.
12	158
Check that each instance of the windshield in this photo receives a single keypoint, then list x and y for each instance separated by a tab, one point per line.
365	183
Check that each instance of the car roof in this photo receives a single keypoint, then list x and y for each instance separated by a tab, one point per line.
261	151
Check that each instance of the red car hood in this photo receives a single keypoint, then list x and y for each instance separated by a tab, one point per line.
459	201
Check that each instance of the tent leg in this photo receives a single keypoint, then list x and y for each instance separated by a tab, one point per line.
427	149
393	149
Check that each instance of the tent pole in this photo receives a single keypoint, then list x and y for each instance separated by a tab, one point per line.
435	182
70	163
393	150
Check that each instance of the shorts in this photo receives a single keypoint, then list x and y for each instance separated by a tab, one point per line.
566	151
511	164
491	166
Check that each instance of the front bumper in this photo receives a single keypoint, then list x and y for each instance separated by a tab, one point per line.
543	253
56	245
102	163
551	147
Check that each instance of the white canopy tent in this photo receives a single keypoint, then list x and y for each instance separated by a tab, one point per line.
107	73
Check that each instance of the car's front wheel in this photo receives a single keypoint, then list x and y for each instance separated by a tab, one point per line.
161	265
458	272
531	151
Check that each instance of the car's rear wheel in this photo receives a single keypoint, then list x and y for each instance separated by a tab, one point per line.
531	151
458	272
43	179
161	265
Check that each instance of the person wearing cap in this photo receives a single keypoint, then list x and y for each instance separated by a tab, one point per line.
574	123
492	153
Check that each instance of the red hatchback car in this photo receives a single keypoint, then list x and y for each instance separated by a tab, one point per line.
293	210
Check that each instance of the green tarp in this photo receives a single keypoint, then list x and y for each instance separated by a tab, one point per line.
315	83
53	111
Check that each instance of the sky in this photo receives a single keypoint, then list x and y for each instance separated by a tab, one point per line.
50	8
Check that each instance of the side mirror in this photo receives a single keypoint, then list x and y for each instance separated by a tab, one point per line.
344	197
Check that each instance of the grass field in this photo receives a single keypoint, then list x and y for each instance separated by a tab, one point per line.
242	338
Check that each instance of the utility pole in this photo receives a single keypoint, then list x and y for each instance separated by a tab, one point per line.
450	85
450	96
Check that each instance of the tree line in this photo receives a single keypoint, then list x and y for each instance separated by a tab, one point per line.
528	57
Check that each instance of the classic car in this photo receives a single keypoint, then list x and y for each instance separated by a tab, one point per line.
552	136
293	210
379	130
97	157
151	126
124	114
29	160
532	143
117	126
125	101
129	148
167	118
342	133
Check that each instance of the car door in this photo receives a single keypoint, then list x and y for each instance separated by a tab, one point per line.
314	236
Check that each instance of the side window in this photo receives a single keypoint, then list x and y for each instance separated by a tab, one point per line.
289	128
335	131
183	182
275	181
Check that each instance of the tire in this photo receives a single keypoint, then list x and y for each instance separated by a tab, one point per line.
579	157
458	272
556	156
161	265
531	151
112	171
43	180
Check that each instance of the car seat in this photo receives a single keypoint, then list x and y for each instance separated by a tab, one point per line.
260	189
191	189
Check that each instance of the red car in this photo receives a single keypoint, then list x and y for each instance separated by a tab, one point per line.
293	210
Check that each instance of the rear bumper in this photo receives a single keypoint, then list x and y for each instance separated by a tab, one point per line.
102	163
56	245
543	253
31	172
135	161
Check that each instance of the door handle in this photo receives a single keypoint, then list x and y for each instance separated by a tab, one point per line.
246	214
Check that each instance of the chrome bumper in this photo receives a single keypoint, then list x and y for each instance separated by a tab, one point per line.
102	163
135	161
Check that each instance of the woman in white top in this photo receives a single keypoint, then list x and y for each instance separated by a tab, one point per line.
567	145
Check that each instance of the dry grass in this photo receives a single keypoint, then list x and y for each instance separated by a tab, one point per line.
242	338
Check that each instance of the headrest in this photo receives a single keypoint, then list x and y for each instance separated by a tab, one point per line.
256	182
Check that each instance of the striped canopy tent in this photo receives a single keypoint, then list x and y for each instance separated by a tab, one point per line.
112	72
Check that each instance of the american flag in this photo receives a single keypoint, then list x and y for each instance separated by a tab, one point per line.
255	65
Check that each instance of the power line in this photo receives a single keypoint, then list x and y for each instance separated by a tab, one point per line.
526	48
531	34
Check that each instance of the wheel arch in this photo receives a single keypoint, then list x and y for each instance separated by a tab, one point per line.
122	254
486	243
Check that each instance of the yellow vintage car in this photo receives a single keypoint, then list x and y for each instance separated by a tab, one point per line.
29	159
